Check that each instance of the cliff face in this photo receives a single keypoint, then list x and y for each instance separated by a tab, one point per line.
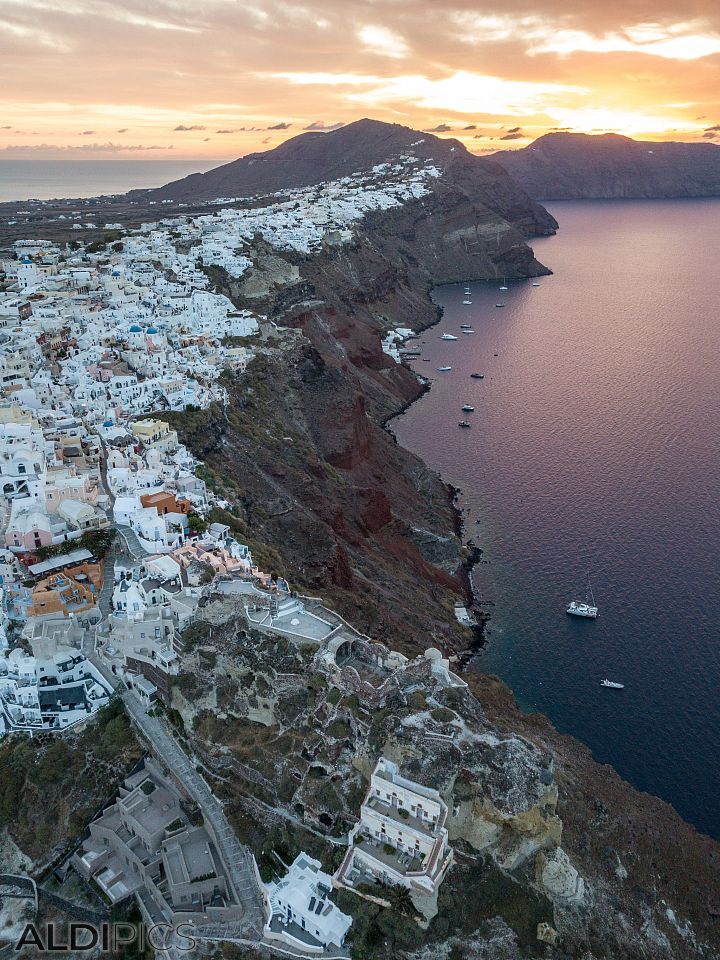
577	166
556	856
302	454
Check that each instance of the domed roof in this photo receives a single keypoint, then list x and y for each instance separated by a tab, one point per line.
135	329
108	423
152	330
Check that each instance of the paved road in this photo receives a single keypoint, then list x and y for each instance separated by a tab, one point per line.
237	858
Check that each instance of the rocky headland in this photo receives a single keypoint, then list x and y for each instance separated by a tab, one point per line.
580	166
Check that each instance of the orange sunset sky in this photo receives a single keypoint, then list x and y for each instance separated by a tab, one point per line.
221	78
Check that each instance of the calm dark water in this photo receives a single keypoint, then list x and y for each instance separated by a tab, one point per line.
595	446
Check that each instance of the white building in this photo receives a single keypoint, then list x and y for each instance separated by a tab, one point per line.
300	912
401	839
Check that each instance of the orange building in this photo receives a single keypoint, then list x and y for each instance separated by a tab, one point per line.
166	502
72	591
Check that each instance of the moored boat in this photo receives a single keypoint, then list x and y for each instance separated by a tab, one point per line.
612	684
588	609
464	423
467	408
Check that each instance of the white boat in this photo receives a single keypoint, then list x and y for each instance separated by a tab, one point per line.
465	326
468	408
535	283
588	609
468	303
503	287
612	684
468	330
499	304
444	369
448	336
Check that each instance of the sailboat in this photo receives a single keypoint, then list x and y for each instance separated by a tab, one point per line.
587	609
612	684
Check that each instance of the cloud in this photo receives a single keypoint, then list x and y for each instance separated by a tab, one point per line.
714	127
123	130
440	128
183	129
513	136
470	126
321	125
514	129
383	41
280	126
8	126
108	147
87	133
711	136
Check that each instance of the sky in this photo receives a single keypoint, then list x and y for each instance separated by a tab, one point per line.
222	78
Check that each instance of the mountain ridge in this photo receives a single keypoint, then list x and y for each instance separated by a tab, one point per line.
580	166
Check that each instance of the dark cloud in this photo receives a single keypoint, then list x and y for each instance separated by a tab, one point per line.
183	129
7	127
280	126
87	133
711	136
108	147
514	130
122	130
440	128
715	127
470	126
321	125
513	136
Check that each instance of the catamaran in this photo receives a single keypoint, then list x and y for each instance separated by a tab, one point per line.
587	609
612	684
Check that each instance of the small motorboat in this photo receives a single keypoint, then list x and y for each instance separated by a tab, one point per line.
468	408
503	287
612	685
448	336
464	423
465	326
468	330
444	369
499	304
535	283
477	376
467	303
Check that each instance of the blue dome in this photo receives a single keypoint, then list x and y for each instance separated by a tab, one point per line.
152	329
108	423
135	329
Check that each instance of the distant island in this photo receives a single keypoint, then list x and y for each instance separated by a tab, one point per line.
580	166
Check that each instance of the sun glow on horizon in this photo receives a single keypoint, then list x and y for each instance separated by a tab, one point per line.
493	79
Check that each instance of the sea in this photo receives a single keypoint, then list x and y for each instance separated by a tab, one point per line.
594	452
90	177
